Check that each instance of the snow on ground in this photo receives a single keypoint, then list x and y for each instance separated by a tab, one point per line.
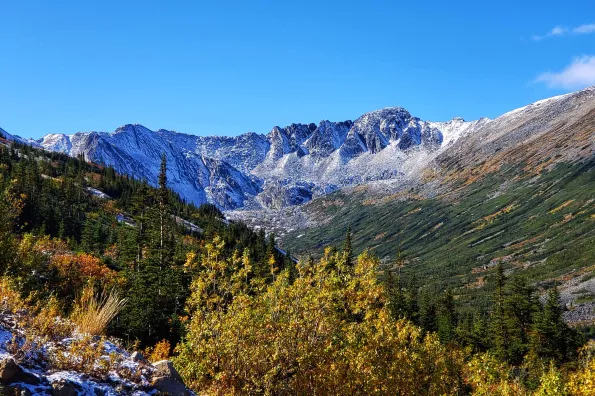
45	363
98	193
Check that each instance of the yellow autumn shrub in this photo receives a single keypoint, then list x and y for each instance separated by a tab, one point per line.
489	376
328	332
582	382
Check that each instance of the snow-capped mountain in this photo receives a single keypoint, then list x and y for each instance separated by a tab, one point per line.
136	150
288	166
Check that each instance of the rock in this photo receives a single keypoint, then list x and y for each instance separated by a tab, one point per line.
9	370
28	378
167	380
165	368
170	386
137	357
19	390
64	388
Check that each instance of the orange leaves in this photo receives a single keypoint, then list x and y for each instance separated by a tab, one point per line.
78	268
161	351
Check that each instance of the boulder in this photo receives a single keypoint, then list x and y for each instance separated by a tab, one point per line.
11	372
170	386
64	388
167	380
137	357
165	368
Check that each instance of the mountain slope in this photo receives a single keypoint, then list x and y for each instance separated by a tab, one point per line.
519	190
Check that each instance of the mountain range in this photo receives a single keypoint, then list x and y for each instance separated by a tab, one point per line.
288	166
292	165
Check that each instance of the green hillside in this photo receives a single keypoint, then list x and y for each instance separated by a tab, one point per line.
540	226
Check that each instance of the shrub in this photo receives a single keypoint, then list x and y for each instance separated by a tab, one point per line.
582	382
161	351
48	323
85	355
75	270
489	376
9	297
328	332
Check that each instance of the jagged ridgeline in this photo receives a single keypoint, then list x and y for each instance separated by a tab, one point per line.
288	166
67	222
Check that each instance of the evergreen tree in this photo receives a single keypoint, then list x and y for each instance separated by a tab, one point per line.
519	309
347	249
447	317
551	337
162	197
427	312
498	328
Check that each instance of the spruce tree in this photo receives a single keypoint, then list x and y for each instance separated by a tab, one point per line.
498	329
162	195
447	318
347	248
551	337
519	309
427	311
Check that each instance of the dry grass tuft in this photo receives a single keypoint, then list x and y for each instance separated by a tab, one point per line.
92	313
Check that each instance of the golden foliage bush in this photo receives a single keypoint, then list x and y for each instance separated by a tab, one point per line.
489	376
328	332
9	297
47	321
161	351
78	269
552	383
85	355
582	382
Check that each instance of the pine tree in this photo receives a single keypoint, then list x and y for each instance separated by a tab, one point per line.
270	251
289	266
551	337
447	318
427	312
162	196
347	249
10	208
87	237
394	295
498	328
412	298
519	309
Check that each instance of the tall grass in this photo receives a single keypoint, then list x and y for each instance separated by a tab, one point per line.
92	313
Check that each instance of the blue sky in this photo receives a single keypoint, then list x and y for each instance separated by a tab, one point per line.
231	67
